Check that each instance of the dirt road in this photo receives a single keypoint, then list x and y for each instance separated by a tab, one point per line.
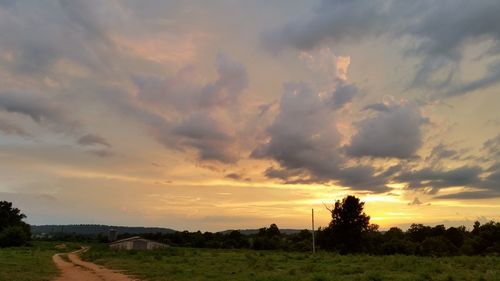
77	270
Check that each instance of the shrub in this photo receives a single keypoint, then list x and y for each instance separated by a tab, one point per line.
437	246
13	236
398	246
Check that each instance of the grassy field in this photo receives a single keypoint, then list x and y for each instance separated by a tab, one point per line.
30	263
204	264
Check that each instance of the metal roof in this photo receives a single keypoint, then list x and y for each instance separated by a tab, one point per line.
129	239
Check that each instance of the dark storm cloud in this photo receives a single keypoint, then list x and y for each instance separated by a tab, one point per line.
494	167
305	142
232	80
442	152
200	127
481	182
492	148
471	195
285	175
337	20
362	178
440	31
186	112
392	133
446	26
91	140
38	34
40	108
303	134
392	170
489	79
343	94
48	112
200	116
487	187
442	27
180	93
492	181
437	179
207	137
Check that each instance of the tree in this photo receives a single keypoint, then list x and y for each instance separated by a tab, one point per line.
273	231
418	232
455	236
394	233
348	223
13	231
9	216
13	236
268	238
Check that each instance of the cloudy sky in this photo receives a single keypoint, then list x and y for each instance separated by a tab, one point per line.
236	114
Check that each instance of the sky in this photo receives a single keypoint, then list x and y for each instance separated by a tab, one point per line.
213	115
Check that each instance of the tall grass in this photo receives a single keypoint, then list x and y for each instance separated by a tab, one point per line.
209	264
33	263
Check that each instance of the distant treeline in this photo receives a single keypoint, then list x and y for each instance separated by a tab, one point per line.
349	231
102	229
92	229
417	240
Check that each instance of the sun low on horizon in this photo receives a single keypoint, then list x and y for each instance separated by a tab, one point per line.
215	115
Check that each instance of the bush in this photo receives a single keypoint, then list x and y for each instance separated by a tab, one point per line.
437	246
14	236
398	246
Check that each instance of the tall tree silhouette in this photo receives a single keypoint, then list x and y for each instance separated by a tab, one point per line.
348	223
13	231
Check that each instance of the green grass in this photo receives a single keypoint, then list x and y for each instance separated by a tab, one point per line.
205	264
30	263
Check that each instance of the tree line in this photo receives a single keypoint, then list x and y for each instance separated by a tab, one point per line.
349	232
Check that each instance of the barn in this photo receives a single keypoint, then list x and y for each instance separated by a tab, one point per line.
136	243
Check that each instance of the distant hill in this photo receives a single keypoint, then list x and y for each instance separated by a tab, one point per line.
95	229
255	231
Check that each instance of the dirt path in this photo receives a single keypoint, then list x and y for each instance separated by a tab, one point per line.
77	270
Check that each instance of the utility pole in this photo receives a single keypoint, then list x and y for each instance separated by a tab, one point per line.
312	216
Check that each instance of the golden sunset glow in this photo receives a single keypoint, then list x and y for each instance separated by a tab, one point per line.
218	116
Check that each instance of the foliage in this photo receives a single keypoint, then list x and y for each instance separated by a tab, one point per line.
13	231
9	215
348	224
13	236
349	232
417	240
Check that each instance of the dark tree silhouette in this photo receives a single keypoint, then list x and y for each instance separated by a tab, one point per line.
456	236
9	216
273	231
348	223
13	231
268	238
